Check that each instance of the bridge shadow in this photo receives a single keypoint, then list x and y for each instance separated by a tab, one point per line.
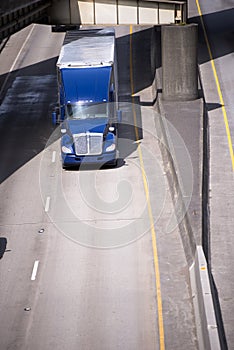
220	31
138	56
25	114
144	46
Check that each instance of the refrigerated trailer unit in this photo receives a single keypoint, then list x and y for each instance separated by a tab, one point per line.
88	98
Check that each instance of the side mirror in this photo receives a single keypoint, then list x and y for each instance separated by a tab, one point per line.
55	116
119	116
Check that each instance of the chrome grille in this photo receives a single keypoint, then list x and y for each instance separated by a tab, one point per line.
95	144
88	144
81	144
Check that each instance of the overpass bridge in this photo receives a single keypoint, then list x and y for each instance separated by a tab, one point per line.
15	15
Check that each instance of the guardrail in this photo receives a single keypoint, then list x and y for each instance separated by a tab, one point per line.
13	20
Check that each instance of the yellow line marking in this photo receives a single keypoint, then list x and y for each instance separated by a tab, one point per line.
153	234
218	86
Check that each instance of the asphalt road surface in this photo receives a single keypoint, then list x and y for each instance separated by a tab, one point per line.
87	261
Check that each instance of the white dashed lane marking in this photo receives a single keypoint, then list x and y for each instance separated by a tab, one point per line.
34	271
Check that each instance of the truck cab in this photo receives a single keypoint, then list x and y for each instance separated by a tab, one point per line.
89	135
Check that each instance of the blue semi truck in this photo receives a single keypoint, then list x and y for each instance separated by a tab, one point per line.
88	98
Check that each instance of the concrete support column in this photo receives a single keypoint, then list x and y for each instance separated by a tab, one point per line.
179	62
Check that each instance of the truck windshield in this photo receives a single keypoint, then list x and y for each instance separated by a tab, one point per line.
87	111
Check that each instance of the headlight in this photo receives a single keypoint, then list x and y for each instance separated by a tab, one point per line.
110	148
66	150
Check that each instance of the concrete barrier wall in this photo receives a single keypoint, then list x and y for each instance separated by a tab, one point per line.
206	325
203	303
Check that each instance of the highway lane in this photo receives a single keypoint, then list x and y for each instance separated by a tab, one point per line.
219	27
217	76
24	129
79	270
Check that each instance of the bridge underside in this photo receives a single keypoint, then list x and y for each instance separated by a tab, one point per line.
18	14
118	11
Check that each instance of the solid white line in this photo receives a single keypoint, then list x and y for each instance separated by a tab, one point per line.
17	57
53	156
47	205
34	271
